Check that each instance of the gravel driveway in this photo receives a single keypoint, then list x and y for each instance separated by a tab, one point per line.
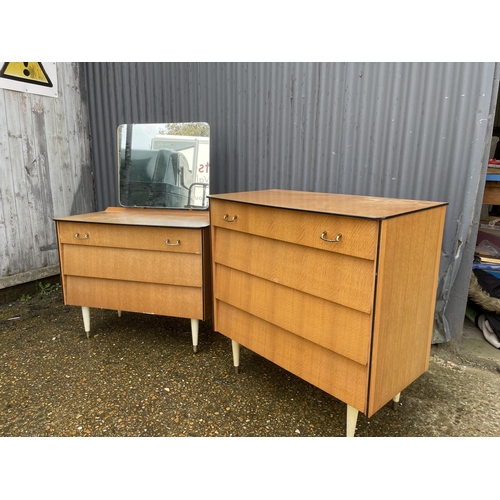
137	375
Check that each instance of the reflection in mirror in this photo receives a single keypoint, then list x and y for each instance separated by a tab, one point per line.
164	165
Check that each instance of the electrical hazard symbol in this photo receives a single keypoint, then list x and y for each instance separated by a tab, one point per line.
27	72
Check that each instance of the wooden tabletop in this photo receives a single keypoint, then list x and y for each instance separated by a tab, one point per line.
144	217
337	204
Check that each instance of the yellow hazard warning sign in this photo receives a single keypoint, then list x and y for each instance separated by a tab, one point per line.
31	72
32	77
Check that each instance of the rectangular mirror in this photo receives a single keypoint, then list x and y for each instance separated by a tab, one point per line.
164	165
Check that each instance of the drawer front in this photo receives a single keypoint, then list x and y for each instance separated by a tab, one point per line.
339	329
149	298
135	237
133	265
348	235
336	375
345	280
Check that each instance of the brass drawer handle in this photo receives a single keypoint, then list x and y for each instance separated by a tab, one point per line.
85	237
226	218
177	243
324	238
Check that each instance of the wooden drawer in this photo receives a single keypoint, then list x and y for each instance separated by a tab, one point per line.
339	329
149	298
126	264
336	375
345	280
358	236
123	236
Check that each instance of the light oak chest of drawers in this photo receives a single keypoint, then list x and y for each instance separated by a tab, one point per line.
150	261
338	289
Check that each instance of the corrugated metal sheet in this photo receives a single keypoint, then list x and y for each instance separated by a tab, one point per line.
497	115
44	171
407	130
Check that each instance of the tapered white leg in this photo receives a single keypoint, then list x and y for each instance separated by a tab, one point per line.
395	401
352	418
86	319
119	314
236	355
195	324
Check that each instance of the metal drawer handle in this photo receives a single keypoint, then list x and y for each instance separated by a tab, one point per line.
177	243
85	237
226	218
324	238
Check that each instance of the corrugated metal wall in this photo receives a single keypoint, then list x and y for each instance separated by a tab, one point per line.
407	130
45	172
497	115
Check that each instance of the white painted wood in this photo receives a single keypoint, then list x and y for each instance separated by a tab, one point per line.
194	332
236	355
21	251
86	319
352	418
45	172
37	181
8	231
119	314
61	179
33	275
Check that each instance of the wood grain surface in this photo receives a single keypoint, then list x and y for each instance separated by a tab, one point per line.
354	319
369	207
144	217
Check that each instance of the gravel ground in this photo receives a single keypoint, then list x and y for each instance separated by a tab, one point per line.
138	376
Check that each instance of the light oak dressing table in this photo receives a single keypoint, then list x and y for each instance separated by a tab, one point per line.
151	255
138	260
338	289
